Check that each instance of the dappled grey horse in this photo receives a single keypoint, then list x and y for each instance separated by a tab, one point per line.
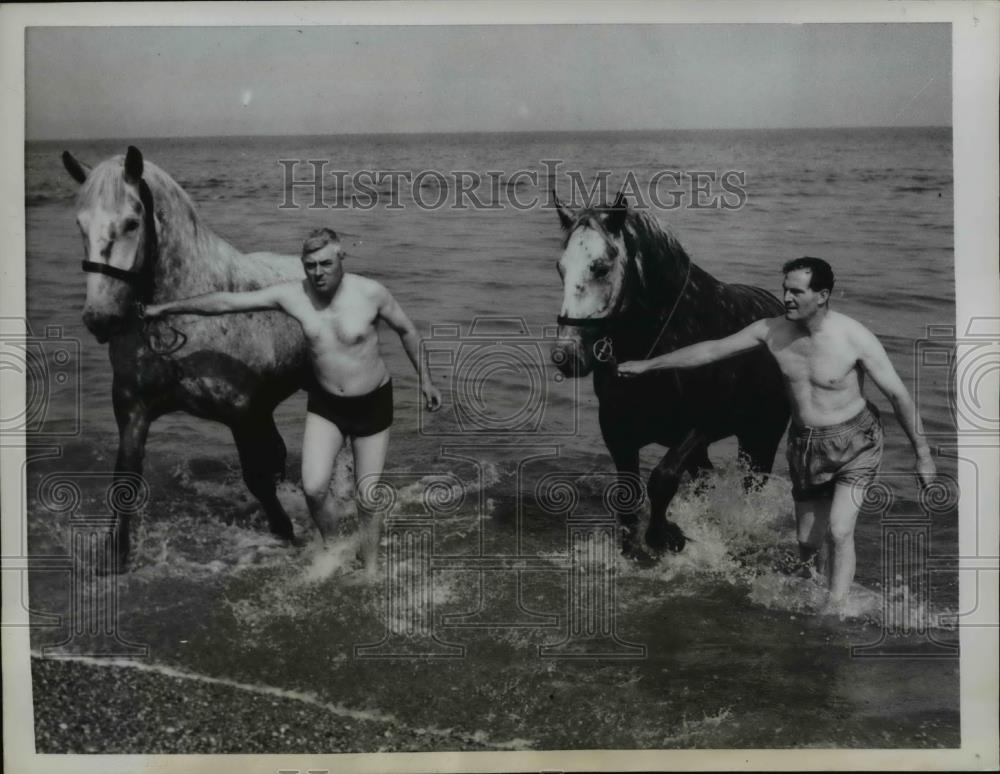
145	242
631	292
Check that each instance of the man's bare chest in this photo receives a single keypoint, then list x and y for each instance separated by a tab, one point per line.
821	363
345	325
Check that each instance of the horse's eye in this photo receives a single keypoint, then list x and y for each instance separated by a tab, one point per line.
130	225
600	269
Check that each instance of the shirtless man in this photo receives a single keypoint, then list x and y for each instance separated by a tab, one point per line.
352	392
835	437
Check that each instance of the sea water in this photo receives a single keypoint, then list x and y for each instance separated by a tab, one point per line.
735	653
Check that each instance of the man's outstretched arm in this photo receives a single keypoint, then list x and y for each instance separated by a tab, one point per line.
876	363
702	353
222	302
390	311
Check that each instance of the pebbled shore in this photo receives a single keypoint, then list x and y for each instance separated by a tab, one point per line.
83	708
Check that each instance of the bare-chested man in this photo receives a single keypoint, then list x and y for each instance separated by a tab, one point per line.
835	438
352	394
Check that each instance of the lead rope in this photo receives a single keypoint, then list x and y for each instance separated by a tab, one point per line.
603	348
677	301
155	345
157	348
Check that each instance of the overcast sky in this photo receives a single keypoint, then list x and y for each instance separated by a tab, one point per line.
141	82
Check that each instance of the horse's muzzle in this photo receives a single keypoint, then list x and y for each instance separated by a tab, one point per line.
571	358
102	325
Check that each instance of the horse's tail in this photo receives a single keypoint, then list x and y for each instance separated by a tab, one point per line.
757	302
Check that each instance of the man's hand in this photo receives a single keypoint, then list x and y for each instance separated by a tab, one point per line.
633	368
152	311
432	396
925	469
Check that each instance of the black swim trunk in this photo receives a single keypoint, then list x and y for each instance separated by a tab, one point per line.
819	458
355	415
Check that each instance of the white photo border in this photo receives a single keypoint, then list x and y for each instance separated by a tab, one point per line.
975	46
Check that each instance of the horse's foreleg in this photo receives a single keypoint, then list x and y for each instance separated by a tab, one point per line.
133	427
698	462
262	457
757	449
627	463
663	483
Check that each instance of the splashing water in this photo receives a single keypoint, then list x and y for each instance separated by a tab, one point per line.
353	560
747	540
732	534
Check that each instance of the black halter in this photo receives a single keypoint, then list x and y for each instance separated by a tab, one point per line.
603	349
141	279
129	276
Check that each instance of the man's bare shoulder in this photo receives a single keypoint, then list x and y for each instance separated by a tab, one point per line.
771	328
841	324
365	286
291	286
290	291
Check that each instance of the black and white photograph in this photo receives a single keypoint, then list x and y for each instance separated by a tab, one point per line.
565	387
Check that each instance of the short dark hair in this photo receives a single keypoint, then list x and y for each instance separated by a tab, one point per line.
821	274
318	239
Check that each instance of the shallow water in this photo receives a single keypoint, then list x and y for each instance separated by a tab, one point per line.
719	646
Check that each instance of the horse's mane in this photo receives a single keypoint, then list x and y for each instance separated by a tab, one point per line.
645	236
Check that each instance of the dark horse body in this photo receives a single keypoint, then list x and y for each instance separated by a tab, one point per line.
145	243
629	284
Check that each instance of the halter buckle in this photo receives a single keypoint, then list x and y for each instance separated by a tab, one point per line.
604	350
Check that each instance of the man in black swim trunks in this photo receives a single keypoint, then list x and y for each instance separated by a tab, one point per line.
352	392
835	439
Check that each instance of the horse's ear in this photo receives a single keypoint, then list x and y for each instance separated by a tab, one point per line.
77	169
616	214
133	165
565	214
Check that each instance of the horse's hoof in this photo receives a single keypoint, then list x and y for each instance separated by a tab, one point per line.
667	536
284	533
634	552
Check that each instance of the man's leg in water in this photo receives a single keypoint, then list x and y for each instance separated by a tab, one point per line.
847	500
369	461
812	518
320	443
